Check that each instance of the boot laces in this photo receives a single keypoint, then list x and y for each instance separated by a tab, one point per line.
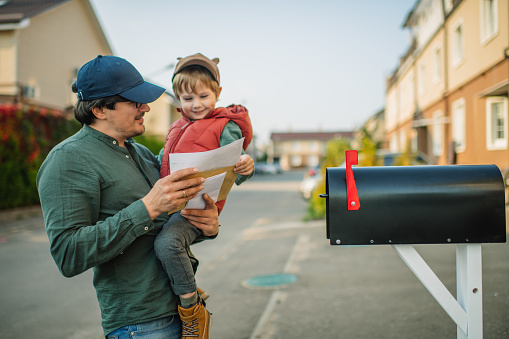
190	328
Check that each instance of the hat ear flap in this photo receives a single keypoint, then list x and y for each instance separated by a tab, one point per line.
215	60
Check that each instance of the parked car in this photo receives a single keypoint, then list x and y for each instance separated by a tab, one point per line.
312	178
390	158
386	158
309	184
313	170
266	168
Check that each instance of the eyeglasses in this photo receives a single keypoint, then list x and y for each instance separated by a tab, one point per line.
136	104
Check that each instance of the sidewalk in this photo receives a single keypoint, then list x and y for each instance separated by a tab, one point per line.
19	219
14	214
340	291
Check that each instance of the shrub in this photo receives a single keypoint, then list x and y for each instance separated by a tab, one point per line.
334	157
27	135
153	143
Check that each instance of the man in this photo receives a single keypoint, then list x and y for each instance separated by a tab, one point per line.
103	202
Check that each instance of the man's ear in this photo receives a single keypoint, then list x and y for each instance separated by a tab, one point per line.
99	113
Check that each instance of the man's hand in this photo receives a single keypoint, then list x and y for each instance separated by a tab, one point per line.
245	166
206	220
168	193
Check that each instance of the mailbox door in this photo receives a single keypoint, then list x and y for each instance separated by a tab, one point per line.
417	205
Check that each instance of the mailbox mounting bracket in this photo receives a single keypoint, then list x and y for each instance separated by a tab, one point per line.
466	311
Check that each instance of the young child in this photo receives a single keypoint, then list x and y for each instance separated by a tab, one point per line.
203	127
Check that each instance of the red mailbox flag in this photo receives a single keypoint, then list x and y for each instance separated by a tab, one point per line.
352	158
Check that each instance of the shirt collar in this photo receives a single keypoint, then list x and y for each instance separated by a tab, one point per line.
99	135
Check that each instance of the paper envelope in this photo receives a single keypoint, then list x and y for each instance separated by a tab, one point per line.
228	181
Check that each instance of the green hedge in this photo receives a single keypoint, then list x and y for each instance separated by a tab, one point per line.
27	135
153	143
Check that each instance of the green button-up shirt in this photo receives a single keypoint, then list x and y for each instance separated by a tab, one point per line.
90	190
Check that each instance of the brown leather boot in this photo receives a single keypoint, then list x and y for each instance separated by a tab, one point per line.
196	321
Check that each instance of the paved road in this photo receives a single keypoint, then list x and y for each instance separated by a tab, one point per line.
340	291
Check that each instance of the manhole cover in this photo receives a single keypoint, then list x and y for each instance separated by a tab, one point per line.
270	281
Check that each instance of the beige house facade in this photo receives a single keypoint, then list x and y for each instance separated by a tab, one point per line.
42	46
448	98
163	112
301	150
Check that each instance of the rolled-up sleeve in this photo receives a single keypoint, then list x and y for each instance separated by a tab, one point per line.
231	133
70	194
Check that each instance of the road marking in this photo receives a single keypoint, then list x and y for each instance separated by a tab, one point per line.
288	186
262	329
265	318
283	226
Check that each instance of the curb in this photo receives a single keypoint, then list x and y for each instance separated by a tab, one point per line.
20	213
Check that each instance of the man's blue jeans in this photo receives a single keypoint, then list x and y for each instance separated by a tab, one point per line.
165	328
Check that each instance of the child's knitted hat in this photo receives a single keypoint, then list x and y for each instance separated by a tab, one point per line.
200	60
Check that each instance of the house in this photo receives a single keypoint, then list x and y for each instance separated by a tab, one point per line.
448	97
163	112
374	129
42	46
300	150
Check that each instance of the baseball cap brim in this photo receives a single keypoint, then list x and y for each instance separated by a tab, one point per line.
143	93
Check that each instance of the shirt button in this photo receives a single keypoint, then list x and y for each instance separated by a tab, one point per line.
146	228
114	142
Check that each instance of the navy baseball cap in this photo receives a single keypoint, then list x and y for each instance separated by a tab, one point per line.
109	75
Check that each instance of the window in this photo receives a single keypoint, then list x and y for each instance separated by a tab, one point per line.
457	43
411	91
313	160
402	141
459	125
406	94
437	65
393	143
496	123
401	97
489	19
295	161
413	143
421	78
314	146
438	134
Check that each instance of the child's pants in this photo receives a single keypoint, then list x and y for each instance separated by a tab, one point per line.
171	247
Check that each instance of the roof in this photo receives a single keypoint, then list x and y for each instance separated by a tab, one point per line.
14	11
410	15
323	136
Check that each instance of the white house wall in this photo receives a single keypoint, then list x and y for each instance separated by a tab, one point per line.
430	19
434	87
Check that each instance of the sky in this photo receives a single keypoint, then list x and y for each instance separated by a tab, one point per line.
298	66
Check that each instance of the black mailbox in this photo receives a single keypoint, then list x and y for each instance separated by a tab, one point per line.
417	205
